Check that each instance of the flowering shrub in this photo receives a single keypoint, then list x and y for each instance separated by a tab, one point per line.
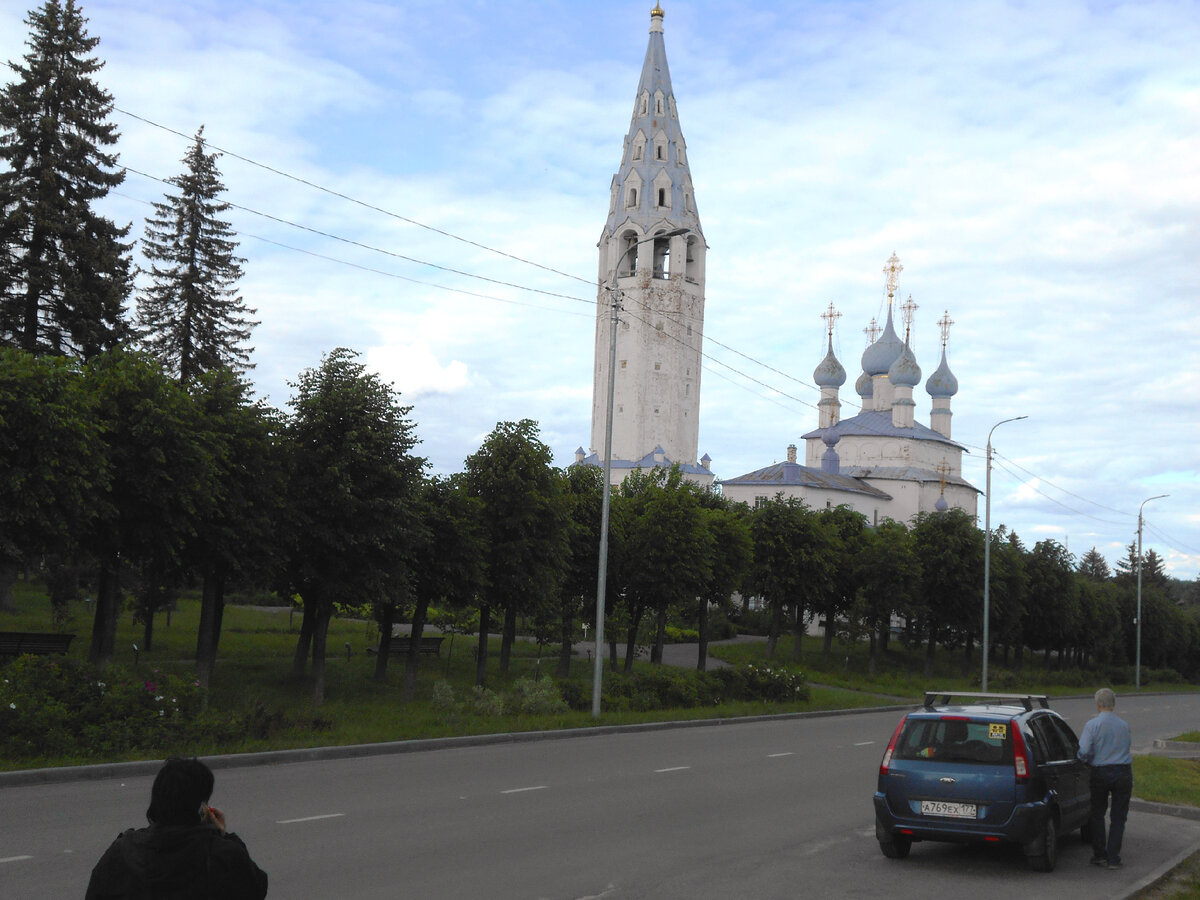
61	707
774	683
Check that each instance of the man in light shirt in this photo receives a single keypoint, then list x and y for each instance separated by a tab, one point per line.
1104	745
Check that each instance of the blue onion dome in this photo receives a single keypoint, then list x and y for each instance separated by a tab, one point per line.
830	437
905	372
941	505
942	383
878	358
830	372
864	387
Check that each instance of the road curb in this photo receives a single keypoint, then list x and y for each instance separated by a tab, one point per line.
66	774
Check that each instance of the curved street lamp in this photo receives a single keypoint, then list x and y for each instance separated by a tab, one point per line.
987	547
1138	670
602	574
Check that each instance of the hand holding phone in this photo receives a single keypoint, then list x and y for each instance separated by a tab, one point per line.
213	815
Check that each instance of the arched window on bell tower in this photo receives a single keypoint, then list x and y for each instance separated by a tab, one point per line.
629	251
662	257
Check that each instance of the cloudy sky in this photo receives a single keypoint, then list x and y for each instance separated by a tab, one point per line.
1036	167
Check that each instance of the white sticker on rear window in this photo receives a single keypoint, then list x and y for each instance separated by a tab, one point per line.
997	731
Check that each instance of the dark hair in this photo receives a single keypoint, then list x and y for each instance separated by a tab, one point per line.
180	786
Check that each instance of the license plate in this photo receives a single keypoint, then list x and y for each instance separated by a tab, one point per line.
954	810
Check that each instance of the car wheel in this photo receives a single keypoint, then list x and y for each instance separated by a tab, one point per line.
896	846
1042	851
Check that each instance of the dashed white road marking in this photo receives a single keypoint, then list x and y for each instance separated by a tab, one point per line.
539	787
864	744
308	819
671	769
777	755
9	859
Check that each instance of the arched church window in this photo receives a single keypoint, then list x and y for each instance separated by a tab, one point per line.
629	251
632	197
662	257
660	152
662	196
643	104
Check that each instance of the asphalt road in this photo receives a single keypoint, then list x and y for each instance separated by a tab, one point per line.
762	810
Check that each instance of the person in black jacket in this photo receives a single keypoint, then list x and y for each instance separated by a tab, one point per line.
185	854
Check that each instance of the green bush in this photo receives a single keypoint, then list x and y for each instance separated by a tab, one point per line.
486	702
442	697
52	706
532	697
573	694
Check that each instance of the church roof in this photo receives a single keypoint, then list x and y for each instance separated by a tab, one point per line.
790	474
655	125
649	461
878	423
905	473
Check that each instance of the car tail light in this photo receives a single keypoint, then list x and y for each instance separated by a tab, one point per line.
1020	754
887	754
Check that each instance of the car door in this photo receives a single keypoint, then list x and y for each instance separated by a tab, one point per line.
1060	769
1081	803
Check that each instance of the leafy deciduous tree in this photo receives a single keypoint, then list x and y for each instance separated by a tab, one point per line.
352	490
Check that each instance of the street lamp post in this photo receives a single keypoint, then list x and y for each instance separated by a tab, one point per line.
987	547
1137	678
602	573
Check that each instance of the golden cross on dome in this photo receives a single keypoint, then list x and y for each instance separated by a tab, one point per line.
872	331
908	308
944	323
892	270
943	470
830	316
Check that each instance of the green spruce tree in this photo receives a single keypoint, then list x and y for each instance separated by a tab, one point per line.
64	270
191	317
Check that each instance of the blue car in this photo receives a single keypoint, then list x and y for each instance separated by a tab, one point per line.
999	768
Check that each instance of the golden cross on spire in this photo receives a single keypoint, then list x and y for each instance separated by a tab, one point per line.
908	308
943	470
944	323
872	331
830	316
892	270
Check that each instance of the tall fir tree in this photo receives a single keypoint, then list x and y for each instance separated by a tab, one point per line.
191	317
64	270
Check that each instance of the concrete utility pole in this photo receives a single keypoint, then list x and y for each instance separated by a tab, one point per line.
1137	678
987	547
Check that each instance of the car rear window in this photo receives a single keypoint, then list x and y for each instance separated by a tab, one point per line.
956	740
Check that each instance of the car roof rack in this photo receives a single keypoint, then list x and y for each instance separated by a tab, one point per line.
942	698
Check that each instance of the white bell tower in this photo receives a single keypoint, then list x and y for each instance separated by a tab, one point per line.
660	285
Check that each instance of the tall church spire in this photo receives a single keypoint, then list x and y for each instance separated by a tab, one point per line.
660	282
654	183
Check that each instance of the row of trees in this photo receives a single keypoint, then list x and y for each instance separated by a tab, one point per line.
117	465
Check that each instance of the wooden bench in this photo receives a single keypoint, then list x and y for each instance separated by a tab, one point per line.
431	646
16	643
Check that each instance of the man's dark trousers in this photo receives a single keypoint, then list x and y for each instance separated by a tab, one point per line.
1118	782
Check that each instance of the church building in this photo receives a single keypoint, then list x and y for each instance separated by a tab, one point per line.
651	268
881	462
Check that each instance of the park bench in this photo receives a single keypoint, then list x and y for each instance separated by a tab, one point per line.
425	645
16	643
